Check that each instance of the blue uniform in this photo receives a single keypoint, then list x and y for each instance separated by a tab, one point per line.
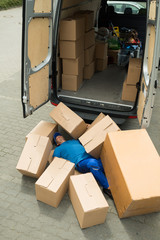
73	151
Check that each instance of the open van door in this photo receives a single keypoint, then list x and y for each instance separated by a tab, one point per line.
149	79
37	57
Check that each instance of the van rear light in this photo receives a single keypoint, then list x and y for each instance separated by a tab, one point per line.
132	117
55	104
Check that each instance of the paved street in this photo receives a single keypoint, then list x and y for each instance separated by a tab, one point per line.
22	217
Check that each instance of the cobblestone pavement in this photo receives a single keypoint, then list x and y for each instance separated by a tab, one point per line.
21	215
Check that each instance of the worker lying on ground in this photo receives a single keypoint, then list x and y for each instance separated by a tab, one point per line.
73	151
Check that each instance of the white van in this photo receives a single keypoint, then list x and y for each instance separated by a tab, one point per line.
42	68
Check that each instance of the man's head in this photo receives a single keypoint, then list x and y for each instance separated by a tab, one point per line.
58	138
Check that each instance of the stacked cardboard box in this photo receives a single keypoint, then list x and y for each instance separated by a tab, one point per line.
89	43
101	55
113	56
72	52
129	91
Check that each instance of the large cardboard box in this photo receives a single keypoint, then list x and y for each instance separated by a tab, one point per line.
129	92
72	28
89	55
89	18
89	70
53	183
101	64
98	118
46	129
113	56
89	39
72	49
34	157
73	66
68	120
93	139
72	82
132	167
134	71
101	50
87	199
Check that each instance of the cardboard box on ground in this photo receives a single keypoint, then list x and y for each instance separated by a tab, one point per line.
132	167
93	139
70	121
43	128
87	199
53	183
34	157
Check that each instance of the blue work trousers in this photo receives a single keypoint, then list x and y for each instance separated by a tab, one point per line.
96	168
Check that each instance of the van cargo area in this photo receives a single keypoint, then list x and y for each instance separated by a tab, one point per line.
97	59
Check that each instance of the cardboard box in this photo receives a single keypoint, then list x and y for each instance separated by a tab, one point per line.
68	120
76	172
101	64
101	50
89	39
89	55
129	92
113	56
73	66
72	29
46	129
50	158
87	199
93	139
132	167
72	82
89	70
134	71
34	156
100	117
72	49
89	18
53	183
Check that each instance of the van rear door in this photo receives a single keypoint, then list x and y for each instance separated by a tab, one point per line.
149	79
37	48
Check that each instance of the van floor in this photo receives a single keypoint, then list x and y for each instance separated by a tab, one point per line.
105	86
